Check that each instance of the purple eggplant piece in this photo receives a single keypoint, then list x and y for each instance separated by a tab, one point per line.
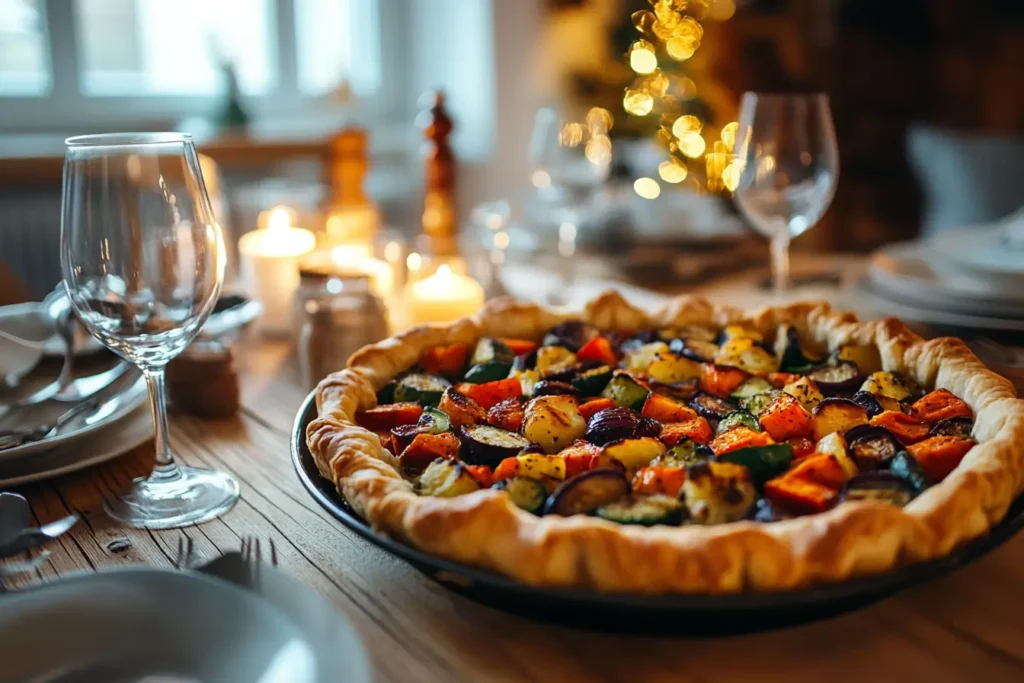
587	491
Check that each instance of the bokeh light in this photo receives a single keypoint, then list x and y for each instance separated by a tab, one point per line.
672	171
692	145
728	135
721	10
570	135
685	125
648	188
642	58
638	102
599	120
599	150
731	175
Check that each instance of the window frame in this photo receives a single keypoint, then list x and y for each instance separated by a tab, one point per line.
66	107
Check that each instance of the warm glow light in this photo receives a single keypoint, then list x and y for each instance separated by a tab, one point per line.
721	10
599	120
686	125
729	135
731	175
501	240
540	179
681	47
672	171
643	61
599	150
714	166
692	145
638	103
280	219
414	262
648	188
656	84
392	251
686	88
644	20
570	135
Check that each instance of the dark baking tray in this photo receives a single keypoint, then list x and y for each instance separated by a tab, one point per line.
693	615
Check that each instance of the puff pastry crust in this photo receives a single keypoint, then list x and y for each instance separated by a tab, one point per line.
486	530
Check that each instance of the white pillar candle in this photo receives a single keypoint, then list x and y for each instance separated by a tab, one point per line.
270	268
357	259
443	297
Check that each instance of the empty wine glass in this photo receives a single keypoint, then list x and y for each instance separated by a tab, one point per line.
571	161
786	148
143	262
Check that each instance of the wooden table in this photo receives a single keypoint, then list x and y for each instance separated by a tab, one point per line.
968	626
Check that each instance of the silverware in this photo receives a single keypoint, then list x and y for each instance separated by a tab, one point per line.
183	559
121	382
241	568
34	537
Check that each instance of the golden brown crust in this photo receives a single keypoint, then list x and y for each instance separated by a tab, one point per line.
484	529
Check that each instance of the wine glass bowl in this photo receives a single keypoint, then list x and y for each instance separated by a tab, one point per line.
786	148
143	263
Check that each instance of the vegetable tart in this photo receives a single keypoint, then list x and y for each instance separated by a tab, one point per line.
699	448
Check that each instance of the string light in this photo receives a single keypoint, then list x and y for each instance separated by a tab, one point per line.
642	58
672	171
638	102
692	145
685	125
648	188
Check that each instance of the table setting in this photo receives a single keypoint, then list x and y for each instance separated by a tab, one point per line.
374	447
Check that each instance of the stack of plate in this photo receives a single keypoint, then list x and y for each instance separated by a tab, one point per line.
969	277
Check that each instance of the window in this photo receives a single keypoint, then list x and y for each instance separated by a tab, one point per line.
87	63
24	67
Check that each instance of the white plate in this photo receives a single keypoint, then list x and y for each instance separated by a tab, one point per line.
106	444
991	254
149	625
879	302
913	272
109	413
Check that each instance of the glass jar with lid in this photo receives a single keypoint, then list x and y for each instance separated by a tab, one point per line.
336	314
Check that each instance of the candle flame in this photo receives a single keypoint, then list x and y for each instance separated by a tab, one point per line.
414	261
444	271
279	219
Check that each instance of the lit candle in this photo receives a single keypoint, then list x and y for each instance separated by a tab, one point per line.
354	258
270	267
443	297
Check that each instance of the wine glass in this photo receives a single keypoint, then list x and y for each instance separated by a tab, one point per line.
143	262
571	161
786	148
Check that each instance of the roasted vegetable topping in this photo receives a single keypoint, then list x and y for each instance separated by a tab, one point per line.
841	379
718	492
872	447
527	494
646	510
953	426
612	424
763	462
554	422
588	491
879	487
487	445
626	392
446	480
712	407
419	388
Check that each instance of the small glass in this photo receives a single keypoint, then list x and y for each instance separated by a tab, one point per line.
143	263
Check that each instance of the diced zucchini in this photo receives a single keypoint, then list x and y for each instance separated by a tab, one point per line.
745	354
490	371
592	382
758	402
738	418
551	359
672	369
491	351
751	387
887	384
635	453
640	358
421	388
806	392
904	465
526	494
626	392
435	421
685	453
553	422
716	492
763	462
643	510
446	479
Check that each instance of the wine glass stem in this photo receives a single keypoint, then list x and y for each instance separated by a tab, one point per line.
780	263
165	467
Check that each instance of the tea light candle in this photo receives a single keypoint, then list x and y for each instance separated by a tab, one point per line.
270	268
443	297
355	258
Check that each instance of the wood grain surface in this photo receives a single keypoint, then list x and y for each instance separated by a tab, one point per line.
968	626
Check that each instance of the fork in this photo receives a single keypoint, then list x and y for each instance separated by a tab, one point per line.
253	557
183	558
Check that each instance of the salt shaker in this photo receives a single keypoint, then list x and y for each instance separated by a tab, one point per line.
338	315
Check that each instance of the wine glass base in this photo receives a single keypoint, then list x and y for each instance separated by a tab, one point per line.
175	497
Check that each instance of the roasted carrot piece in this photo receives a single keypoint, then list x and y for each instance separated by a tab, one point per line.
482	474
664	409
940	455
598	349
507	415
940	405
666	480
580	457
785	418
591	408
385	440
461	409
824	469
696	428
802	447
445	360
739	437
490	394
907	428
781	379
721	380
389	416
798	496
520	347
506	469
426	448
